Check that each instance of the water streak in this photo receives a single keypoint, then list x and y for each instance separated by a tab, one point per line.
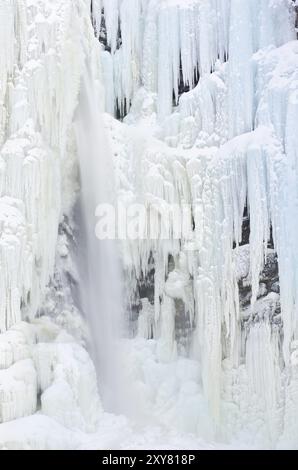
100	287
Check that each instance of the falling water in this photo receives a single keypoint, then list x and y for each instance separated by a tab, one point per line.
100	288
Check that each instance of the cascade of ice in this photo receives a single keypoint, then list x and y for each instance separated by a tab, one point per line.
215	316
43	46
227	148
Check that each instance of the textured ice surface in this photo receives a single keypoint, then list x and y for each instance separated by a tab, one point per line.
210	88
229	146
41	368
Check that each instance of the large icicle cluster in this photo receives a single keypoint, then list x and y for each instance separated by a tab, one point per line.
161	35
166	45
44	47
43	50
228	148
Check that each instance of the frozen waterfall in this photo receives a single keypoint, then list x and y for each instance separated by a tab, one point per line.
207	93
180	114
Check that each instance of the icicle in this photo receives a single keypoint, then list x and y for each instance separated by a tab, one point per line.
188	44
166	348
7	59
208	52
240	74
39	41
264	374
111	14
97	15
167	22
185	38
150	49
259	212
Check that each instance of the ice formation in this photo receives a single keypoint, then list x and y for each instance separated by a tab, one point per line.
227	146
41	43
206	96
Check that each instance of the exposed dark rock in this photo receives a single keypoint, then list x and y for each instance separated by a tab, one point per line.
269	275
267	305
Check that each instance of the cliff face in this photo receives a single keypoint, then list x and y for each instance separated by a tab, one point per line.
201	110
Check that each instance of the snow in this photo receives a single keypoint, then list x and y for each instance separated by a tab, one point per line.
200	370
172	25
40	432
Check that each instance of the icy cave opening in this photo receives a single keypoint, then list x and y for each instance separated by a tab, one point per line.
149	338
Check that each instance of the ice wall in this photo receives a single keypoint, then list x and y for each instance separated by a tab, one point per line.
226	147
44	46
41	45
210	88
165	45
